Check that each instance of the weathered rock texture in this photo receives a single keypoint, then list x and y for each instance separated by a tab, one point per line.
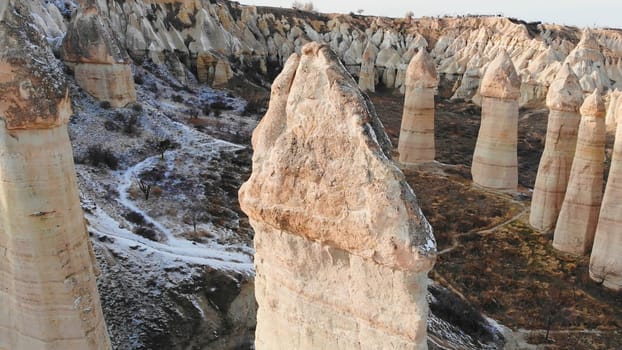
564	99
606	258
495	160
416	142
613	114
48	295
574	232
336	226
101	66
367	75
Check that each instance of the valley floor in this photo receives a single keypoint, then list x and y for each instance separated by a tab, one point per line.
489	255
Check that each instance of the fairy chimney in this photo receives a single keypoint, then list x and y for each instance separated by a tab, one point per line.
495	160
416	142
48	295
578	217
336	225
564	99
101	66
606	260
367	75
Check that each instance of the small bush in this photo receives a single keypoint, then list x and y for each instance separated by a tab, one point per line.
221	105
177	98
111	126
207	110
130	126
134	217
105	105
137	107
146	232
139	80
98	156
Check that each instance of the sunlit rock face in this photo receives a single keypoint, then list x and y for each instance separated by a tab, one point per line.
336	226
495	160
416	142
101	66
48	295
576	225
606	260
564	99
613	114
588	63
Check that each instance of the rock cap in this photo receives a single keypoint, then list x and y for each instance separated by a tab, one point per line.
594	105
501	80
421	71
565	93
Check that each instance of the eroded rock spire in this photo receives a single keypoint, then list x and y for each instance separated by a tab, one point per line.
564	99
606	259
416	142
336	226
101	66
495	160
48	296
574	232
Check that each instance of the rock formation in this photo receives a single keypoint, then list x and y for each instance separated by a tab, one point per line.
574	232
416	142
606	260
495	162
367	75
336	226
48	295
588	63
564	99
100	64
611	118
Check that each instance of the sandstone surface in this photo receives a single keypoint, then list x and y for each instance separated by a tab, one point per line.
495	160
367	74
564	99
612	116
345	224
578	217
606	260
47	270
416	141
101	66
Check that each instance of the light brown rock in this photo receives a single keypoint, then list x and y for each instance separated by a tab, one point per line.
578	217
606	258
564	99
611	118
367	75
416	142
495	160
336	226
48	295
101	65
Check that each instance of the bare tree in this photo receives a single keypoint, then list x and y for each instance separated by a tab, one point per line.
360	11
144	186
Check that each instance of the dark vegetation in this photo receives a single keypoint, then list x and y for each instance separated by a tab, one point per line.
99	156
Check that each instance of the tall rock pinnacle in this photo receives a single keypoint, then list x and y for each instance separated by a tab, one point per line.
367	75
574	232
606	260
336	226
48	296
564	99
101	66
495	160
416	143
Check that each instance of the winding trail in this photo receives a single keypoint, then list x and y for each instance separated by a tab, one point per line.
231	257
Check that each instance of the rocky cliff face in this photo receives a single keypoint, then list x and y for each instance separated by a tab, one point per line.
47	268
